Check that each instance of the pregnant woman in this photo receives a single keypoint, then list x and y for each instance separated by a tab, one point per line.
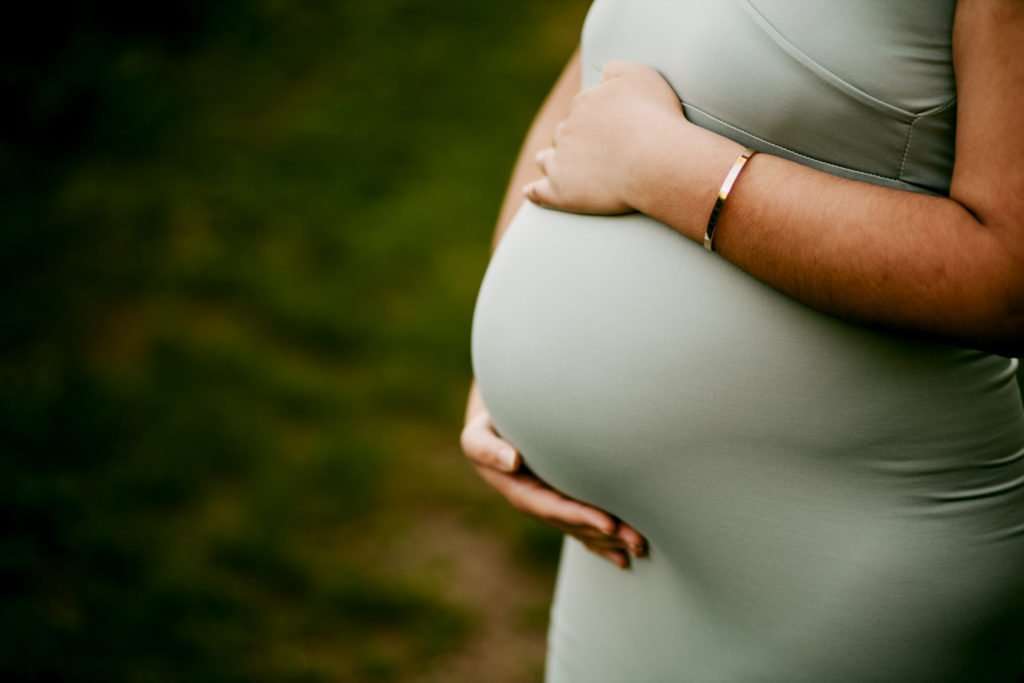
812	417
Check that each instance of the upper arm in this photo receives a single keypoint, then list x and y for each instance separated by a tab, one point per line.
555	107
988	172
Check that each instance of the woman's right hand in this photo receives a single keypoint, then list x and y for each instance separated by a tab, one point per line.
501	465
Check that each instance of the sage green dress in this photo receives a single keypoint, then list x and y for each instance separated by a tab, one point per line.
824	501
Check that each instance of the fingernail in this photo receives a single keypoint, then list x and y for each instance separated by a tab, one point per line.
526	188
508	455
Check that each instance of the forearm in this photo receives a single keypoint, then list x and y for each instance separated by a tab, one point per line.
554	108
877	255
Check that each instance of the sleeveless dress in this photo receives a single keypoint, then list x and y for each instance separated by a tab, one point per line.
824	501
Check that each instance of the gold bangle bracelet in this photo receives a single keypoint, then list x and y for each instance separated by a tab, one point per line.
723	193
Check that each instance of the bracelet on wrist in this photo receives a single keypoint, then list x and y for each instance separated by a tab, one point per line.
723	194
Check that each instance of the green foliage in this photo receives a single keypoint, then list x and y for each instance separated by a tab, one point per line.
241	247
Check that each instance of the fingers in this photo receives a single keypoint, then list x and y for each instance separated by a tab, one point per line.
541	192
632	538
544	159
599	542
599	531
553	506
615	548
616	557
484	447
559	132
530	495
616	67
625	538
536	498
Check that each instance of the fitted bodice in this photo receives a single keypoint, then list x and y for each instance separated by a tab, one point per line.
824	501
861	89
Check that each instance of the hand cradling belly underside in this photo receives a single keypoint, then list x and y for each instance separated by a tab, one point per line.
785	465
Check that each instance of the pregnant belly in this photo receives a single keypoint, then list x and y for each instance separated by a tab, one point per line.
638	372
800	479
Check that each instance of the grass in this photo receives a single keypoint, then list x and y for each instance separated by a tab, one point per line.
244	247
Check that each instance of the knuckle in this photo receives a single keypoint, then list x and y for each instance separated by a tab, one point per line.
603	525
466	439
491	458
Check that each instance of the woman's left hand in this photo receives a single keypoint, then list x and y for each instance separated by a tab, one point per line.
608	139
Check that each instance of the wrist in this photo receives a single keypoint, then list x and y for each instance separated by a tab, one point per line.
680	180
648	168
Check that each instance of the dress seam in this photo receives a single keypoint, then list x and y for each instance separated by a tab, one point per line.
910	132
823	72
788	150
906	148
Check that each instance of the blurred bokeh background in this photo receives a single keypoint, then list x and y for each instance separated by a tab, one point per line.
241	245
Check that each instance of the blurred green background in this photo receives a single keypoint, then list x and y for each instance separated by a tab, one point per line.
242	243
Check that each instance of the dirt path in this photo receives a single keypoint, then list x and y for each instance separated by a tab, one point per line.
479	572
457	537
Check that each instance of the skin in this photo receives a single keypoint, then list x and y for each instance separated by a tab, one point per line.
950	268
496	460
